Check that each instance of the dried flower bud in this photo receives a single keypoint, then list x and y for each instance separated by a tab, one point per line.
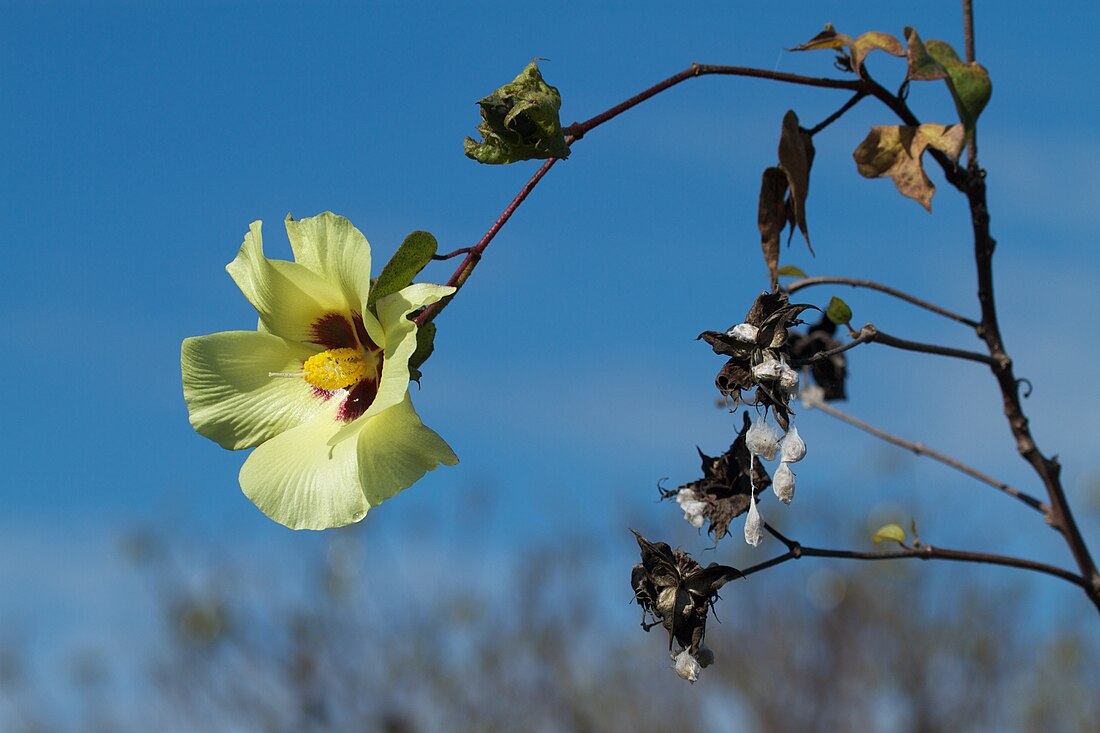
687	666
743	332
769	370
792	448
754	524
762	440
783	483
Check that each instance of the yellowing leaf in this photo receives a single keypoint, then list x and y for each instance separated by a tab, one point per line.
889	532
895	151
858	48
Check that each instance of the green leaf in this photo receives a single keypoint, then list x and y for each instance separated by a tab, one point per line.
520	121
425	345
838	311
790	271
891	532
969	83
409	259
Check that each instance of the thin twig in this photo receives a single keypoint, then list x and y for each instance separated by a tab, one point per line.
796	550
579	129
1048	469
866	335
872	285
922	450
888	340
838	114
474	255
450	255
968	40
870	334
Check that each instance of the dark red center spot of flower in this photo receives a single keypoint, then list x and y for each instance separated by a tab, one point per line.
359	398
333	331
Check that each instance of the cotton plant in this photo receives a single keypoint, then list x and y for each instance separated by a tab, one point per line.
320	391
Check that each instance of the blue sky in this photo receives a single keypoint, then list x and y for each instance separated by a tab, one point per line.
140	139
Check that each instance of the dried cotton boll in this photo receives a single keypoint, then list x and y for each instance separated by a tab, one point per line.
792	449
687	666
783	483
762	440
767	371
754	524
788	381
743	332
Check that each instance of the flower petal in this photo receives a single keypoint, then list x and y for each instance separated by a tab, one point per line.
230	397
301	481
307	478
396	449
331	247
288	296
401	339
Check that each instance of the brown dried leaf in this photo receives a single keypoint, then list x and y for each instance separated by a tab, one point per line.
895	151
771	218
796	155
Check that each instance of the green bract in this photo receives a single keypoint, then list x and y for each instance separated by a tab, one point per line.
321	388
520	121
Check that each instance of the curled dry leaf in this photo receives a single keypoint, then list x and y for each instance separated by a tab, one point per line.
771	217
796	155
857	48
895	151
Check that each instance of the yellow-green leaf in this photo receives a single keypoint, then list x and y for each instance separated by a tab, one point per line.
838	311
858	48
790	271
889	532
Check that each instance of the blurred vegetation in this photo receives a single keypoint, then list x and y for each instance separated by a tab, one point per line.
530	645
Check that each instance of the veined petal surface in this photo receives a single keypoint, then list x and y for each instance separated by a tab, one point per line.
396	449
289	297
301	481
330	246
230	397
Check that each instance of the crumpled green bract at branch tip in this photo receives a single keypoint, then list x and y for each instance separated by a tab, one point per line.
520	121
320	390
